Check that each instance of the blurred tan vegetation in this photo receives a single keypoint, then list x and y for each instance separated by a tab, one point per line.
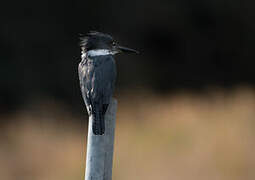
207	136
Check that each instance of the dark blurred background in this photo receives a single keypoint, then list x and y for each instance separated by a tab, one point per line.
183	44
193	53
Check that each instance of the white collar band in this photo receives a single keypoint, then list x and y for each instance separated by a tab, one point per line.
99	52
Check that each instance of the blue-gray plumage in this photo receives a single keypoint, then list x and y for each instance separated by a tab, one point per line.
97	74
97	79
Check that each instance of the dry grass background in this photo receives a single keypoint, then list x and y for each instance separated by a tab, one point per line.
207	136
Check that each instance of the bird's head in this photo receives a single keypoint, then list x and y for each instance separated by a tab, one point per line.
97	42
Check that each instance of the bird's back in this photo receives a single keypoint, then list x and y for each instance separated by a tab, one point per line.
97	78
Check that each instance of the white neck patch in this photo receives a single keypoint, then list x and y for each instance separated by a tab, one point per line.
99	52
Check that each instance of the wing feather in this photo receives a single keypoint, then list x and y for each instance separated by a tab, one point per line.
97	78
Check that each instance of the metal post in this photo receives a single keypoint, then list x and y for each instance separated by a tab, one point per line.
100	148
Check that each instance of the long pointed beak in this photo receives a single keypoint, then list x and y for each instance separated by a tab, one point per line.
128	50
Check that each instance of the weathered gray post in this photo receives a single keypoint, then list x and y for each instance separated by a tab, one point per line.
100	148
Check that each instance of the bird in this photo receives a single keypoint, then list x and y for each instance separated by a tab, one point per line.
97	74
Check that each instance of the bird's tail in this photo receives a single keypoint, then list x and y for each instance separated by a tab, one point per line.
98	124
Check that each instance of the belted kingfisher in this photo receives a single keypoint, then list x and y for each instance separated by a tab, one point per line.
97	74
